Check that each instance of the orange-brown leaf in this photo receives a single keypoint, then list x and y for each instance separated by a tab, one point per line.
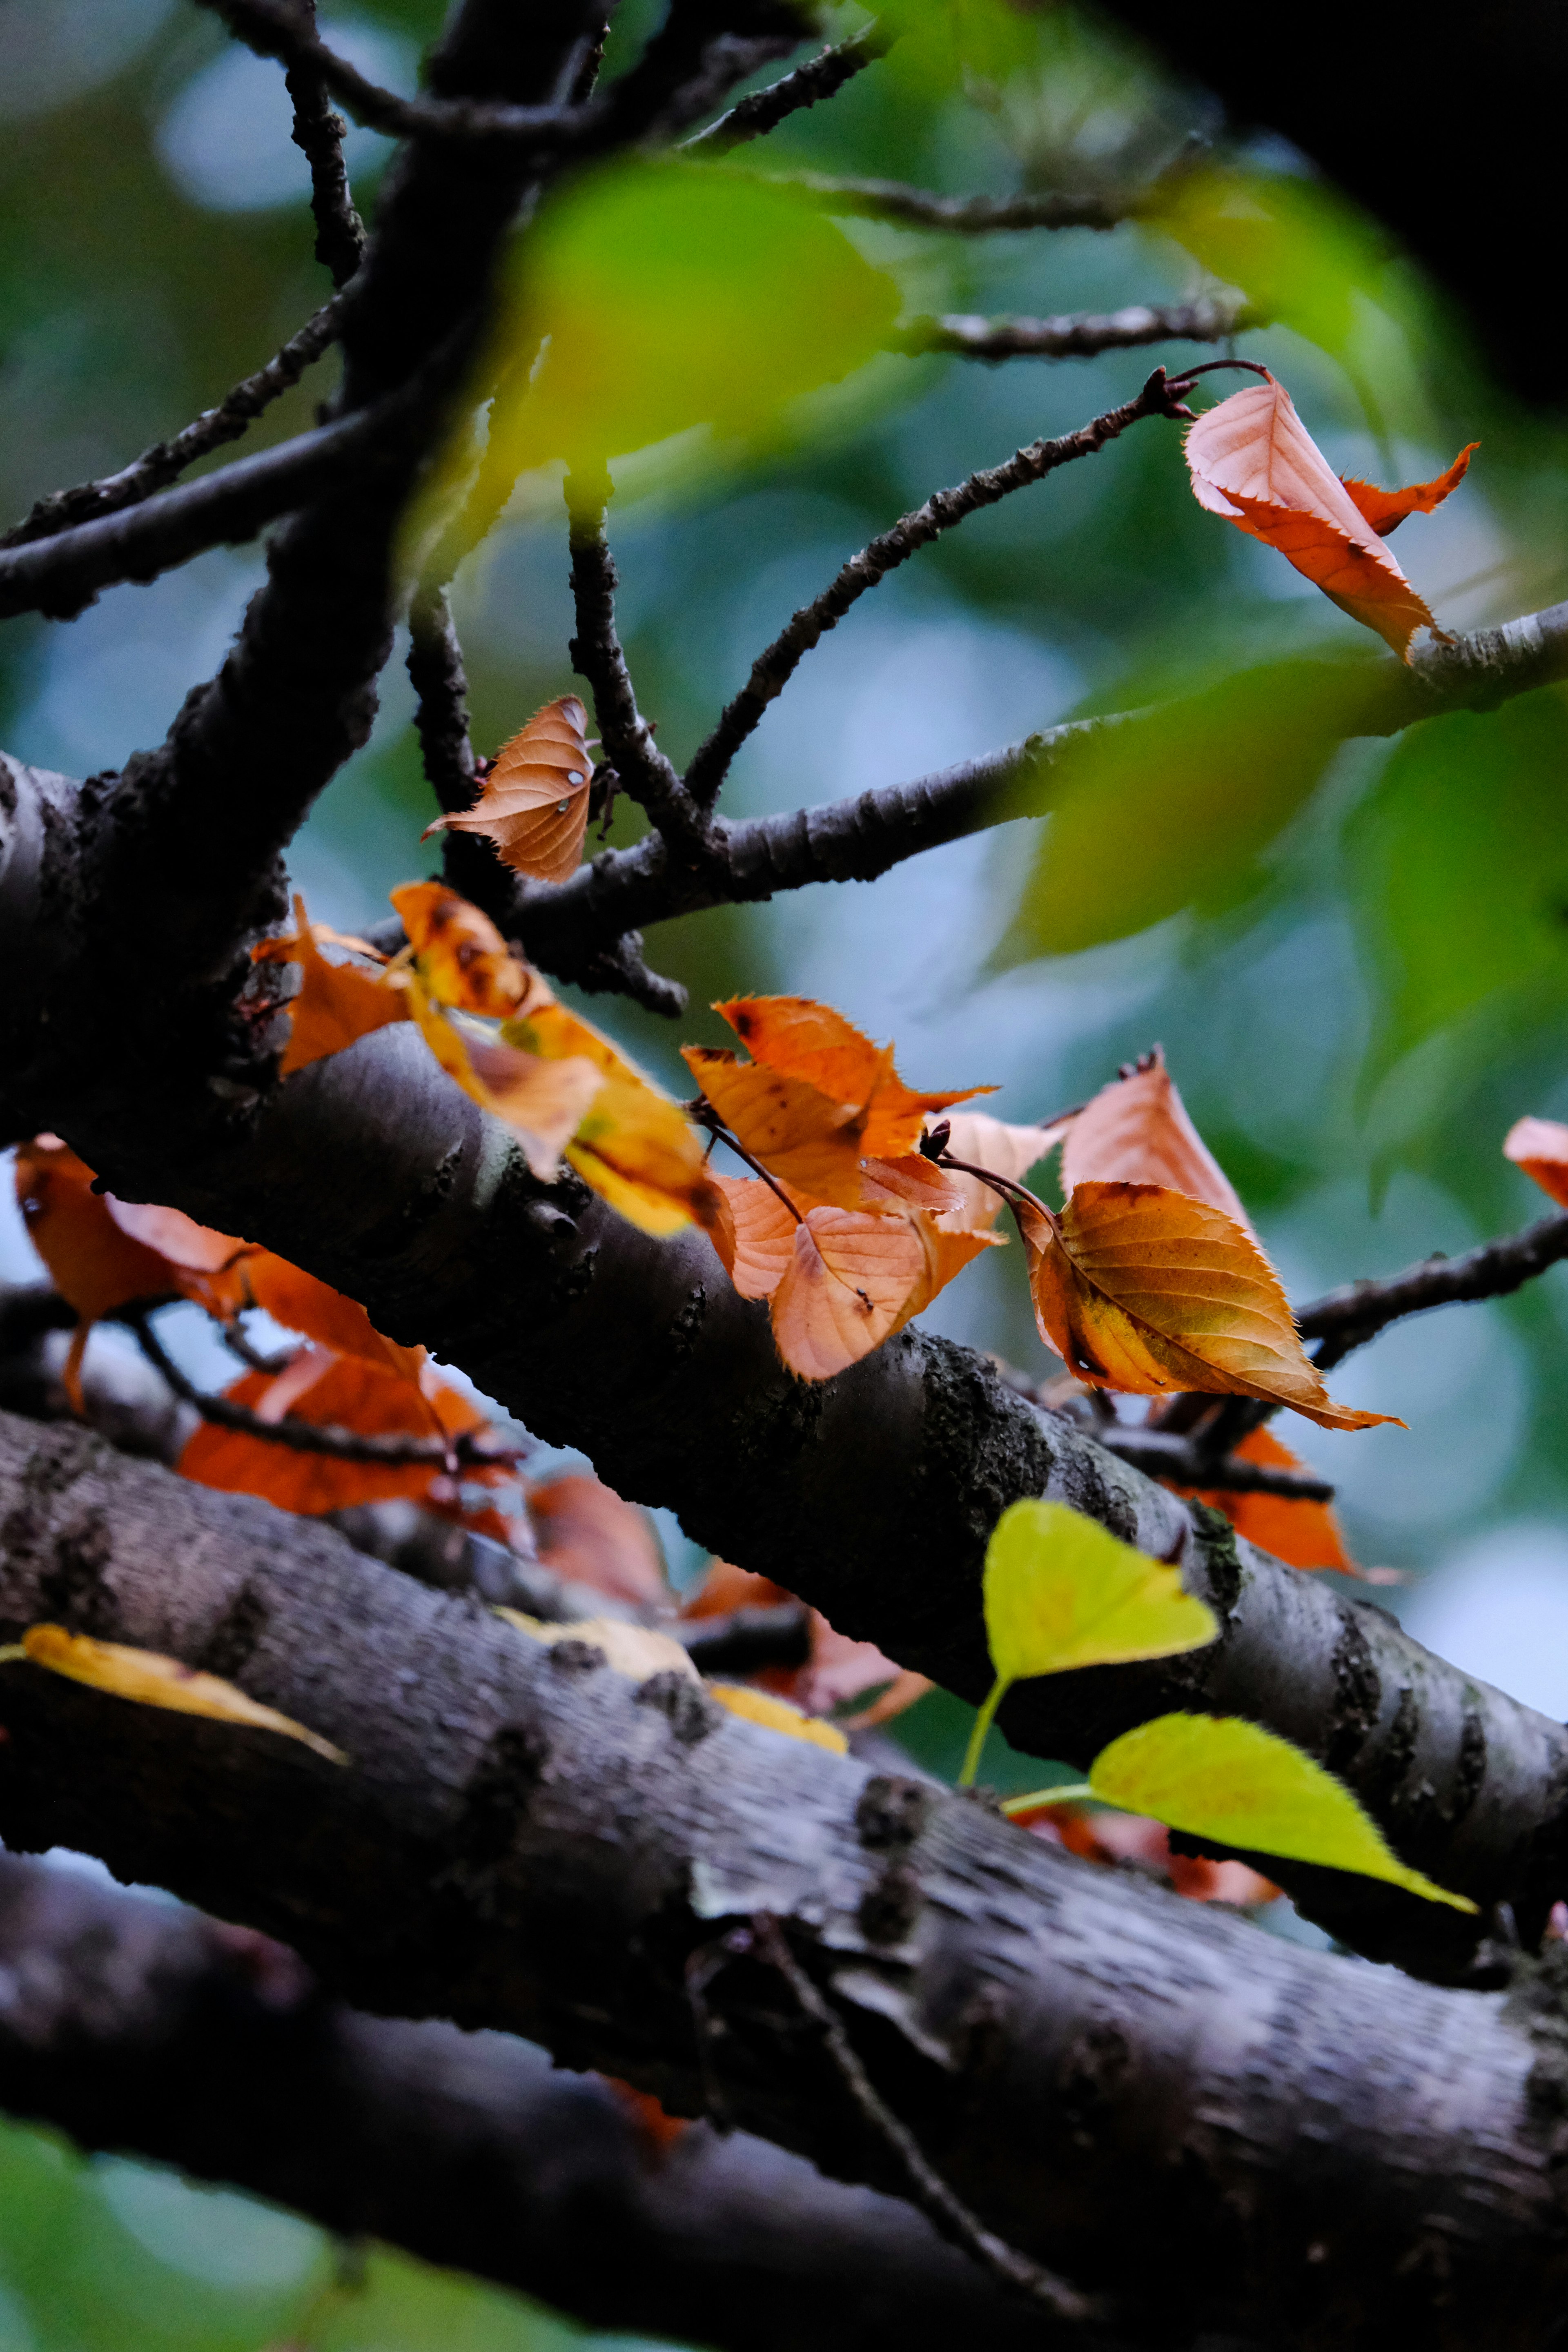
812	1043
1302	1534
586	1532
1386	509
1141	1289
1539	1146
461	958
534	806
810	1143
753	1233
337	1004
96	1264
301	1302
1253	460
347	1393
1137	1131
541	1101
847	1287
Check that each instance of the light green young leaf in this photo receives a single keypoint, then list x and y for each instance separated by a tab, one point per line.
1061	1592
1217	1777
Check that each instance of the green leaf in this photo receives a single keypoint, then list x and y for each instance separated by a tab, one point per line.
1061	1592
1217	1777
1302	255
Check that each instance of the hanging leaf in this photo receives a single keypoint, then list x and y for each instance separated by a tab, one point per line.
1386	509
1062	1592
1302	1534
847	1287
541	1101
1252	460
334	1392
152	1680
1137	1131
778	1714
460	957
338	1004
1539	1146
302	1303
753	1235
1217	1777
1139	1288
533	804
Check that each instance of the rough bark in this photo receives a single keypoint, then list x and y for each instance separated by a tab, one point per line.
1300	2146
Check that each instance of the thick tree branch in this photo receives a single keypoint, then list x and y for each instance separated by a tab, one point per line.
821	76
135	2026
164	463
527	1840
318	132
773	668
1081	335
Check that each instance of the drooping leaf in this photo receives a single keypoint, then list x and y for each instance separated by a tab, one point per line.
753	1235
848	1286
338	1004
1137	1131
461	958
1062	1592
1219	1777
1386	509
1141	1289
1302	1534
1253	461
812	1042
533	804
778	1714
637	1651
302	1303
340	1392
1539	1146
153	1680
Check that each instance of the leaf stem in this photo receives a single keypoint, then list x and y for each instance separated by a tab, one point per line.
983	1723
1070	1792
1011	1192
702	1113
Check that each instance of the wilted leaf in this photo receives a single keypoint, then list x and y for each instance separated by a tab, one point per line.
459	955
340	1392
1139	1288
847	1287
778	1714
1539	1146
1253	460
152	1680
338	1004
1217	1777
1386	509
589	1535
1137	1131
1302	1534
637	1651
1061	1593
533	804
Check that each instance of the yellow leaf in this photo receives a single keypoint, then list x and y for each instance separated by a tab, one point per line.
1140	1288
541	1102
338	1003
461	956
1216	1776
635	1650
778	1714
1061	1592
152	1680
635	1145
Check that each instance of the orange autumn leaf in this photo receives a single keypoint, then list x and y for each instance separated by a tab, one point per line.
1007	1150
337	1004
635	1144
810	1143
753	1233
1140	1288
1302	1534
1539	1146
533	806
346	1393
1137	1131
1386	509
847	1287
541	1101
461	958
812	1043
302	1303
586	1533
1253	461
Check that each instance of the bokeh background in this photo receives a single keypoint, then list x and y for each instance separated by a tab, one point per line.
1358	998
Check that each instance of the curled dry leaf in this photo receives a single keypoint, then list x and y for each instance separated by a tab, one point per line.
778	1714
338	1004
1137	1287
1253	461
1539	1146
534	806
635	1650
152	1680
1386	509
1137	1131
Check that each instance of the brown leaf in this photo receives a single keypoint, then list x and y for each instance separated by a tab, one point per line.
1386	509
460	957
586	1532
302	1303
753	1235
1140	1288
848	1284
1136	1131
534	806
1253	461
338	1004
1539	1146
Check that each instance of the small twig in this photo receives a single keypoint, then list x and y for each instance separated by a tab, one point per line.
621	969
893	200
441	717
465	1450
927	2188
1188	1463
318	132
1077	335
820	76
238	1340
1346	1318
162	464
596	654
773	668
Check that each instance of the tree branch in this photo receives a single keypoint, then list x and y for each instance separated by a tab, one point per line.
891	200
1082	334
773	668
1347	1318
167	460
821	76
137	2026
318	132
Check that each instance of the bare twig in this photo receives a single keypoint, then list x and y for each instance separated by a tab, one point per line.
927	2188
773	669
1079	335
157	467
821	76
891	200
1188	1463
1346	1318
318	132
435	671
467	1449
596	653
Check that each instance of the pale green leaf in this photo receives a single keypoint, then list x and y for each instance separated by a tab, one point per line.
1061	1592
1217	1777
